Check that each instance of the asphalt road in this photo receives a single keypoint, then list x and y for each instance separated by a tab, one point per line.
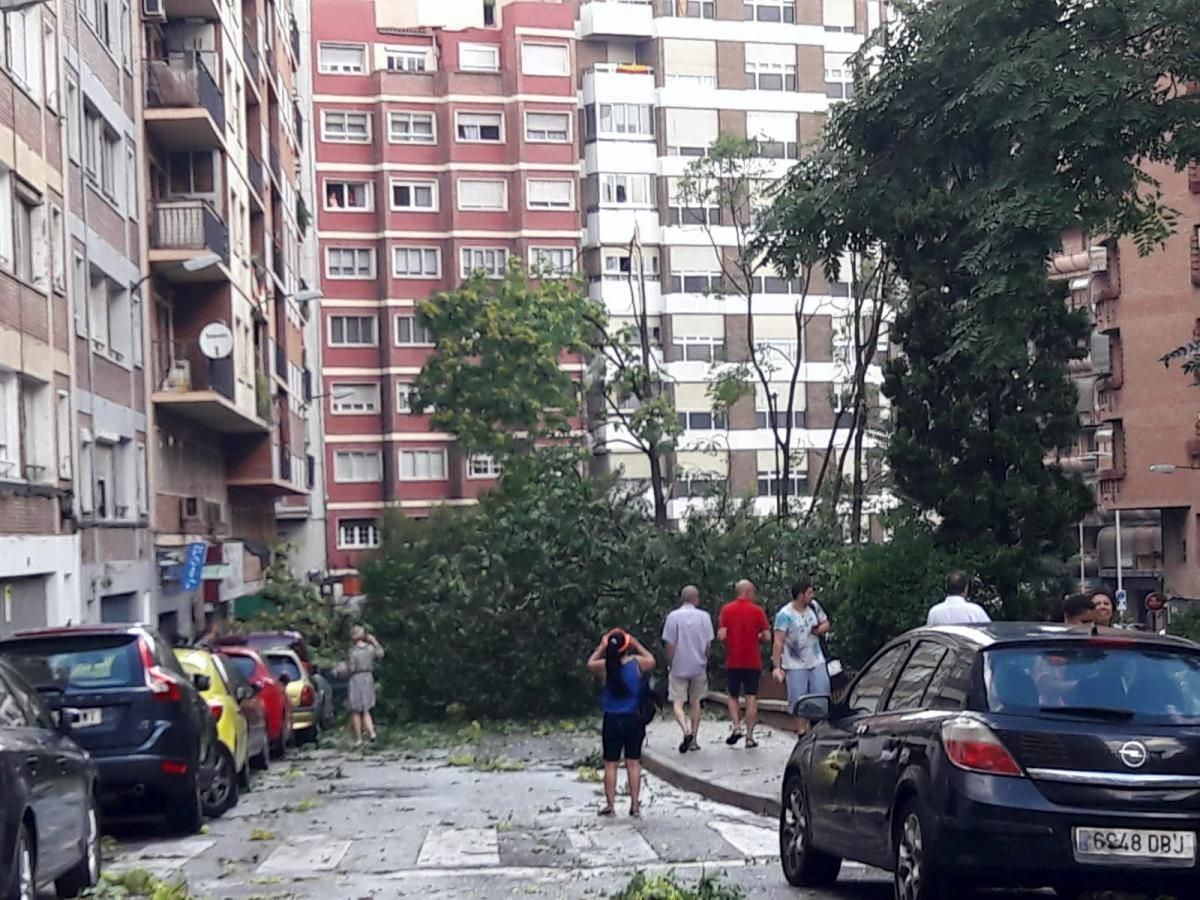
341	827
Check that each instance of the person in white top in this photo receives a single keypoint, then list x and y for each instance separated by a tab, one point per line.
956	609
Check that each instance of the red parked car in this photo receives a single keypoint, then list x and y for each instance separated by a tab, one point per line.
272	692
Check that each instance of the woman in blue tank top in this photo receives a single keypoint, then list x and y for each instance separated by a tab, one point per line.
619	661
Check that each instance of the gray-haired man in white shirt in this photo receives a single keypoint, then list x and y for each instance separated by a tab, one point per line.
956	609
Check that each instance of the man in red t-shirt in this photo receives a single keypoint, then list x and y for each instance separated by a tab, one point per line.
742	627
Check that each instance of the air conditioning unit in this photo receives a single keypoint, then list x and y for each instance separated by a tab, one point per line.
1097	259
153	10
179	377
214	515
191	515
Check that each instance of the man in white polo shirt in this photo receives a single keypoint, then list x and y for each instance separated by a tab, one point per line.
688	635
956	609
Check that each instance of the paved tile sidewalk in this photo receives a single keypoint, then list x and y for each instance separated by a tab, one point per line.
749	779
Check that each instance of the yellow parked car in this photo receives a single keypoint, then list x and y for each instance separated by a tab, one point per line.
241	726
289	669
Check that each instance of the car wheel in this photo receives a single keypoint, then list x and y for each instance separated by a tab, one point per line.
86	873
915	873
803	864
262	762
223	793
185	812
22	882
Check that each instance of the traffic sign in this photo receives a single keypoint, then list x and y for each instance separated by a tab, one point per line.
1122	601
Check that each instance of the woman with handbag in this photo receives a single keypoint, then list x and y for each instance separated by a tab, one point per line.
619	661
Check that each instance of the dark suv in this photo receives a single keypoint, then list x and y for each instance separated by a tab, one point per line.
1004	755
132	707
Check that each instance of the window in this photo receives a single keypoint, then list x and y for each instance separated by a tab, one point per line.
341	59
191	174
774	134
870	687
770	76
352	331
24	48
350	262
695	270
838	15
706	420
405	59
29	240
410	330
491	260
411	128
696	207
10	426
353	399
478	57
107	490
548	128
479	194
480	128
625	119
422	465
545	59
50	62
346	127
358	534
626	190
74	128
549	194
552	262
690	132
415	196
690	62
691	9
619	265
481	465
354	196
770	11
416	262
6	223
357	465
839	76
63	432
404	396
140	476
916	676
699	349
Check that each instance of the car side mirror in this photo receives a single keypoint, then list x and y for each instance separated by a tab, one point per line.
244	693
812	708
201	682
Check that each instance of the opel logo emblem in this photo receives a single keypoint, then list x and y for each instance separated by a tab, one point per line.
1133	754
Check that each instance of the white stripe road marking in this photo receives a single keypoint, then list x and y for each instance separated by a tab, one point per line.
752	841
446	848
305	854
610	846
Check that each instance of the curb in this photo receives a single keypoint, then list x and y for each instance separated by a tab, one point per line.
759	804
770	712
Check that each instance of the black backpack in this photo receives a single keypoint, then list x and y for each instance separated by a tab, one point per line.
653	697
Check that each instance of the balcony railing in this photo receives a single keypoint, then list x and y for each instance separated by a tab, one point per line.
255	170
189	225
184	82
251	57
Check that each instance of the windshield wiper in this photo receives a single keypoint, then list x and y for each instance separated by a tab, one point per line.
1091	712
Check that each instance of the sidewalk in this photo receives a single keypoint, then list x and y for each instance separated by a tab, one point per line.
748	779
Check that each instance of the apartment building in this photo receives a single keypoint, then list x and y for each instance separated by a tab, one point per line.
40	574
660	81
223	150
1140	438
446	143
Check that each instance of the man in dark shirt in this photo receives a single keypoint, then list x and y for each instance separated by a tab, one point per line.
743	628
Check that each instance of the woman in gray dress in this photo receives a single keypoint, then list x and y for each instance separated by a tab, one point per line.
364	651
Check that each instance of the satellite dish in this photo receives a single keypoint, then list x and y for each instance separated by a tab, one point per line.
216	340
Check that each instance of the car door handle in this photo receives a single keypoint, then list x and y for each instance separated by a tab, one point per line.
63	762
33	761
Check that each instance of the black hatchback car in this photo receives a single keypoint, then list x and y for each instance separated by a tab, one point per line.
1004	755
133	708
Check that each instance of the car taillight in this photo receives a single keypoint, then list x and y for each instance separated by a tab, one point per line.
161	684
307	696
971	745
216	709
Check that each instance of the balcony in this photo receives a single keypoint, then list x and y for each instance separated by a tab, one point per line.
250	55
185	109
204	391
192	9
618	83
616	18
276	168
254	172
185	229
265	468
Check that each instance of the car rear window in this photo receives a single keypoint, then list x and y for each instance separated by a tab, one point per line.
84	662
284	665
244	665
1140	682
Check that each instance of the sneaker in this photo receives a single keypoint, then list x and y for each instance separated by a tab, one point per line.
733	738
695	748
685	744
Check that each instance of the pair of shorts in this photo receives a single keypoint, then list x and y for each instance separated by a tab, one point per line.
681	690
742	682
622	735
802	682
